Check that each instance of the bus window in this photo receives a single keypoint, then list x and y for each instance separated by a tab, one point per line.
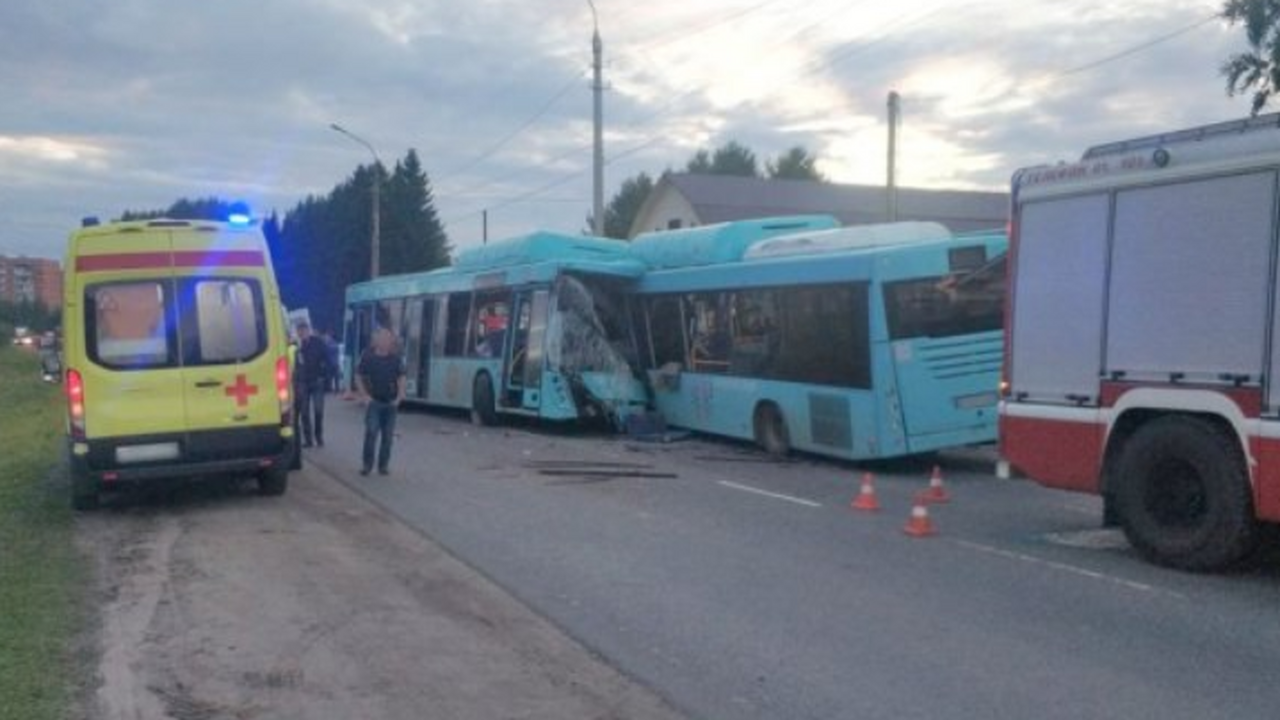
665	335
708	332
489	329
456	319
825	336
755	332
947	306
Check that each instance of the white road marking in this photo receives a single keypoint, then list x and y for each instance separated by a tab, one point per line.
766	493
1064	567
1094	539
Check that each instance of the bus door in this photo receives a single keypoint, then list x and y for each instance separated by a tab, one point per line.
415	360
522	366
421	333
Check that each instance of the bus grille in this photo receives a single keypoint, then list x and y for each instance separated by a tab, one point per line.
953	358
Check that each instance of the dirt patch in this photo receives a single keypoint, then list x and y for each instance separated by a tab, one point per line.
218	604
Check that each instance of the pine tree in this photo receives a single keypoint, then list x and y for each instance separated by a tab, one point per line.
622	209
413	239
794	164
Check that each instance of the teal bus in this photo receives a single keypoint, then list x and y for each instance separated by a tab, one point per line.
854	342
534	326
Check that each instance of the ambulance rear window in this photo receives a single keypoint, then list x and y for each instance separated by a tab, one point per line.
223	321
129	325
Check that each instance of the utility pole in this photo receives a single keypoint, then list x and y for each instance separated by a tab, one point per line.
375	232
597	90
484	226
891	185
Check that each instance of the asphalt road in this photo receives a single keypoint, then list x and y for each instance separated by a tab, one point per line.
738	587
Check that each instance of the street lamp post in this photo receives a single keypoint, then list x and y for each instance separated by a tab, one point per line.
375	239
597	89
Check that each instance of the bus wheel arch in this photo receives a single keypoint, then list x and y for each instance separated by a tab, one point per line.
484	412
771	431
1179	486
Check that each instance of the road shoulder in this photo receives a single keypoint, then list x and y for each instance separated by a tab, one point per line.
319	604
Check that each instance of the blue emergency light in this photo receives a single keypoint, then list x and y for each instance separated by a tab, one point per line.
238	215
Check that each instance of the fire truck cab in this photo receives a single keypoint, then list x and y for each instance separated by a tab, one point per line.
1143	349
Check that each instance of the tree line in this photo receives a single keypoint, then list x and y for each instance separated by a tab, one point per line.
323	244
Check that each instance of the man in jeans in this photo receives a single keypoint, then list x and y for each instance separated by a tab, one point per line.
310	378
380	384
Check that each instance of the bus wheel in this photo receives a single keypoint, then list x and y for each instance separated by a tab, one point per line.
1183	497
771	430
483	413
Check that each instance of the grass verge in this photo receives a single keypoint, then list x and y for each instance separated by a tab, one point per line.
42	576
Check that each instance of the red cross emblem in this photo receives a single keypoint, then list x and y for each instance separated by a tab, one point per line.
241	390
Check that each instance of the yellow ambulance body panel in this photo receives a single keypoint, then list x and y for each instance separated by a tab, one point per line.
176	355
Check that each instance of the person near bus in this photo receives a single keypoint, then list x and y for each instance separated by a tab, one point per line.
380	383
333	382
310	380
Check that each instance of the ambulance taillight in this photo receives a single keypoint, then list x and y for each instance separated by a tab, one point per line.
75	403
282	391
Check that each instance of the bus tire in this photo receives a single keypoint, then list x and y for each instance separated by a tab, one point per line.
1183	497
483	410
85	493
273	481
771	430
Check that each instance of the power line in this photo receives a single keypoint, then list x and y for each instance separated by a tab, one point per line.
1141	46
882	34
899	20
572	175
684	35
487	153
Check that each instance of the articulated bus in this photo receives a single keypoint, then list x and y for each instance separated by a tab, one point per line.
533	326
852	342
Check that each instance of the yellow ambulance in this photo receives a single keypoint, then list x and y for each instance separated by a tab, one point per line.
176	356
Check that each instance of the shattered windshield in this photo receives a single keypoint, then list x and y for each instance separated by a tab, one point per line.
588	333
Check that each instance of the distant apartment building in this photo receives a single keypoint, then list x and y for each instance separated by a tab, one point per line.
35	280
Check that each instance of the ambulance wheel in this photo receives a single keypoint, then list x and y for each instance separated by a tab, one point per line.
295	456
1183	497
85	492
771	430
483	413
274	480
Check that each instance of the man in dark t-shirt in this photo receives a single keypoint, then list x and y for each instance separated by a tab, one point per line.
380	384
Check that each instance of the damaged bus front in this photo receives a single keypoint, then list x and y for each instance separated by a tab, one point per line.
534	326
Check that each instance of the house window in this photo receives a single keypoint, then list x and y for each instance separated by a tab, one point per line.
675	224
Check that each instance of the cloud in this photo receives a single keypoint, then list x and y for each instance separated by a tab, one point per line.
153	100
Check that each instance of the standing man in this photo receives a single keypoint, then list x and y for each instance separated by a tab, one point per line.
335	377
310	380
380	383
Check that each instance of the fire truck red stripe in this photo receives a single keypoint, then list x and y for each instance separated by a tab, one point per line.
179	259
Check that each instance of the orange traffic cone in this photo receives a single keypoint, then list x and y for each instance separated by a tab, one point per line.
937	492
866	500
920	525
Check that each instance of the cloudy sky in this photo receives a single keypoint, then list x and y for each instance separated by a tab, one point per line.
130	104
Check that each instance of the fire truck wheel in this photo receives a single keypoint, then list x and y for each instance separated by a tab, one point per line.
771	430
1183	497
483	413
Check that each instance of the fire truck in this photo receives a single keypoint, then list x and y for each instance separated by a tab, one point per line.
1143	338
